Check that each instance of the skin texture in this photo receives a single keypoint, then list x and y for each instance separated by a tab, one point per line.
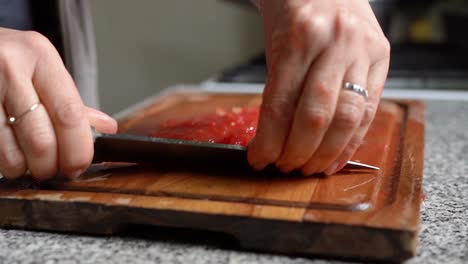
307	121
56	137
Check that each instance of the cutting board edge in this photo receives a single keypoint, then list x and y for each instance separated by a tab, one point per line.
298	237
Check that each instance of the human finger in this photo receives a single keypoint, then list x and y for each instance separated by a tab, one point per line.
348	115
277	110
33	128
314	110
290	52
60	97
101	121
12	160
376	81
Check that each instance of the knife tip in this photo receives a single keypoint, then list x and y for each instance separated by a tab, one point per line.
362	165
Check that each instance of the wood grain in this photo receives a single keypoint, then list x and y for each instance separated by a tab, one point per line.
360	214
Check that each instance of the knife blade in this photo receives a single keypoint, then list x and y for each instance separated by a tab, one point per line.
132	148
143	149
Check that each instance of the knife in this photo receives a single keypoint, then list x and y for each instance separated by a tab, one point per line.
143	149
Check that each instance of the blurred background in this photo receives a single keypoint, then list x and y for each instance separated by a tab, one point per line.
145	46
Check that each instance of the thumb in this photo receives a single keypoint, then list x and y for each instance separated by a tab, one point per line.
101	121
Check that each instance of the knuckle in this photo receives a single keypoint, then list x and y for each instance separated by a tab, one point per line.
386	47
346	22
70	114
317	117
369	113
12	162
382	47
304	28
309	24
277	108
371	37
353	145
317	31
348	115
316	24
41	143
321	89
7	71
319	38
37	41
351	148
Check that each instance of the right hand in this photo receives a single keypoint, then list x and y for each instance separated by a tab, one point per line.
56	137
308	122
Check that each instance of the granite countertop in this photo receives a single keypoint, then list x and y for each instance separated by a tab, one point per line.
443	234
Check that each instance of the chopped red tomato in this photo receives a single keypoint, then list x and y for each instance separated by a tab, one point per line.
236	126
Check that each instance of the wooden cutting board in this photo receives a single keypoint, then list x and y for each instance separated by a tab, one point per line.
361	214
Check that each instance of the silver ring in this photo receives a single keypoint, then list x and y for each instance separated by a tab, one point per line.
13	120
357	89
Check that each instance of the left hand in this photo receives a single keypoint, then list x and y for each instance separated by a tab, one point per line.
307	121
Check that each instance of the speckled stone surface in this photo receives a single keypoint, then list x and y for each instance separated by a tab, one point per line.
443	237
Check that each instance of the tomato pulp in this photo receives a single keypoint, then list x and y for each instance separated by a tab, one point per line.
236	126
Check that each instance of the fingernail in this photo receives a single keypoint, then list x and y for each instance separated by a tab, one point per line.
101	115
332	169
